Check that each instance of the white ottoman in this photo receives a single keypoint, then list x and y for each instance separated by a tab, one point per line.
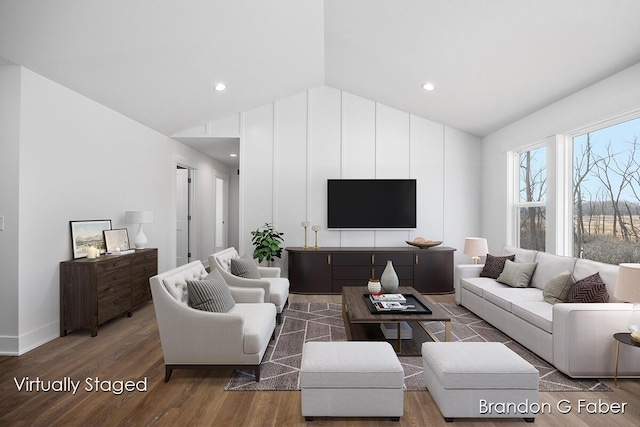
351	379
480	379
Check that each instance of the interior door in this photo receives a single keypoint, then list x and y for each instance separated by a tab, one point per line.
221	214
182	216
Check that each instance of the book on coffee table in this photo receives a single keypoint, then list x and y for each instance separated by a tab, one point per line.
392	306
388	297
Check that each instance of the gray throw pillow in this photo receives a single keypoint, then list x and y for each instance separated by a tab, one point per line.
517	274
557	289
244	267
211	294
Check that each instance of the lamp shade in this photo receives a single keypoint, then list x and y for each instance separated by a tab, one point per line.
628	283
138	217
475	246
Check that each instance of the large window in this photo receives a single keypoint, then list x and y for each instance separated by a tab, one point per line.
606	193
531	201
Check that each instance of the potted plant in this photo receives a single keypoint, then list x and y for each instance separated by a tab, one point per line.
267	242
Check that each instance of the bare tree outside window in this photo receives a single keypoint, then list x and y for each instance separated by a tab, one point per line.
531	208
606	193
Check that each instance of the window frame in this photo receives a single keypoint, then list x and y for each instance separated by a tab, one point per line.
617	119
513	217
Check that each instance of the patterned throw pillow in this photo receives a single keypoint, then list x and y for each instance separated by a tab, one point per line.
494	265
557	290
517	274
244	267
211	294
589	289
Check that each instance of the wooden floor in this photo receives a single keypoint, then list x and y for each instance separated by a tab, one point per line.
128	349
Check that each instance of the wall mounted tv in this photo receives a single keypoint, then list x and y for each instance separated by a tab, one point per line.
371	203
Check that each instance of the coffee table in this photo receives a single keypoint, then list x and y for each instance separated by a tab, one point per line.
362	325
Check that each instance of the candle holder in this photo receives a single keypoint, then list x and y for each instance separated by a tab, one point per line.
305	224
316	228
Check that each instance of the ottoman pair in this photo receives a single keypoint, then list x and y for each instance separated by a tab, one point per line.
480	380
351	379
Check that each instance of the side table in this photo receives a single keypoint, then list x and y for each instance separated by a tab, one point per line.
624	338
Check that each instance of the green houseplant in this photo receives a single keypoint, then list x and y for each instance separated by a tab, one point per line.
267	241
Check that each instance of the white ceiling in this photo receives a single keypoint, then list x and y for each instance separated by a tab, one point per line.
492	61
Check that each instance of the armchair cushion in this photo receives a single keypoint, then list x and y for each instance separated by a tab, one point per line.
244	267
210	295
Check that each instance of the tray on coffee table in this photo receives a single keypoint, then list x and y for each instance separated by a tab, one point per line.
418	306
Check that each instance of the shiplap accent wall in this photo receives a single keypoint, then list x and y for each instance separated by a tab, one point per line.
289	148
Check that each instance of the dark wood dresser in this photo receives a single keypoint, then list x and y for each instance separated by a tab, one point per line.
93	291
328	270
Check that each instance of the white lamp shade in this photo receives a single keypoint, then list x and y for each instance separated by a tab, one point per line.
475	246
628	283
138	217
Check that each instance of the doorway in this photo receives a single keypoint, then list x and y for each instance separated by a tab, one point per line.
222	189
183	215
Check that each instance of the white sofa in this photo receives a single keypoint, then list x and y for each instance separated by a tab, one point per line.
276	288
200	339
576	338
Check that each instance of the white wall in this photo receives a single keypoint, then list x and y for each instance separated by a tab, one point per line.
80	160
9	160
289	149
605	99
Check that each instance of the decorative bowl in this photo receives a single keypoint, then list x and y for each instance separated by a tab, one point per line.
424	245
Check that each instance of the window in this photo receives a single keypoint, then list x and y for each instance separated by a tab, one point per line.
606	193
530	205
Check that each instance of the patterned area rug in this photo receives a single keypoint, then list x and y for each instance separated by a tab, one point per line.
323	322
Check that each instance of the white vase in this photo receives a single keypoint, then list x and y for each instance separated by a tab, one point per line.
389	279
374	286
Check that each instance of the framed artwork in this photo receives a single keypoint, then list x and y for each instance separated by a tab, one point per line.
116	240
88	233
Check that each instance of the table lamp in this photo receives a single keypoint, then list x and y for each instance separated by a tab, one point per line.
139	217
475	247
628	290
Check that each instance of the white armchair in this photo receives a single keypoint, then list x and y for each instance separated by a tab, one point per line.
196	339
276	288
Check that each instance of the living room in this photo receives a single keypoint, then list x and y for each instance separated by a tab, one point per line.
67	156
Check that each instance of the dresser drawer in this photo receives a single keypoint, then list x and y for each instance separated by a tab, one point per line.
146	269
115	263
114	279
112	302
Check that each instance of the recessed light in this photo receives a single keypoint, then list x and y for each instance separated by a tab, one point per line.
233	155
428	86
220	87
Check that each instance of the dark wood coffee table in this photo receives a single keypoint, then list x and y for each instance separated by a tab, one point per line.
362	325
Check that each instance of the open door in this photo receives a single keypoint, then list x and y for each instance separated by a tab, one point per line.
182	216
221	214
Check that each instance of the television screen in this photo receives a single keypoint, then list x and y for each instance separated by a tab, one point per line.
371	203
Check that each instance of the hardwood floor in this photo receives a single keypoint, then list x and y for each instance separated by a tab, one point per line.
128	349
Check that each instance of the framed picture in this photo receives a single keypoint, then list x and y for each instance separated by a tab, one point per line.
116	240
88	233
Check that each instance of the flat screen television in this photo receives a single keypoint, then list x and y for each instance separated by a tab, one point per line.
371	203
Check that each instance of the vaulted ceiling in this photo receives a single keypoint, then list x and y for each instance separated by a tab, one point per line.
156	61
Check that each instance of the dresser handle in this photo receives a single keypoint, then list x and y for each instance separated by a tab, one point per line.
417	262
329	259
115	277
373	259
115	301
115	264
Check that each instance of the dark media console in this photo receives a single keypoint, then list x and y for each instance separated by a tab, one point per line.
327	270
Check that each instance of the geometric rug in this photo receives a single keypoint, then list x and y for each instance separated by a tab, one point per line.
302	322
